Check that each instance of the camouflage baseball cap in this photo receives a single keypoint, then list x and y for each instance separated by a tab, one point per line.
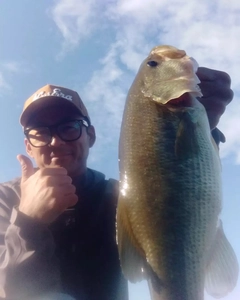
52	95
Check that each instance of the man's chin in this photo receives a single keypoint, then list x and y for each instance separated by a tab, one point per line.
73	167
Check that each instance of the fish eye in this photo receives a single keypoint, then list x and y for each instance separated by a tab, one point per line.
152	63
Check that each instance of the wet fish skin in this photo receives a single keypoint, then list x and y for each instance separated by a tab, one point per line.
170	182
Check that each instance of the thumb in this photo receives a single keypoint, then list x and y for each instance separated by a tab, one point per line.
27	166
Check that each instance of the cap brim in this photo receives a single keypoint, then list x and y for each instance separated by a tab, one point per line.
44	102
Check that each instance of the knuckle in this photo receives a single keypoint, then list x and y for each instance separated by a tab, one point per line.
43	171
52	193
224	77
48	180
61	170
69	179
74	199
52	203
72	188
225	95
231	95
40	172
72	196
211	75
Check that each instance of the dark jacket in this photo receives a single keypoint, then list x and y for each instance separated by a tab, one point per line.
76	254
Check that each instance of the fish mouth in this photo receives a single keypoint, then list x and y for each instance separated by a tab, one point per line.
183	101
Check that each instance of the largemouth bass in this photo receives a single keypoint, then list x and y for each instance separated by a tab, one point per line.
168	226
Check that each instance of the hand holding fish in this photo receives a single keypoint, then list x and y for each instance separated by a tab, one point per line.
217	94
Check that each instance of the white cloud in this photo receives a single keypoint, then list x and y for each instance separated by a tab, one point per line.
7	71
3	83
12	66
74	19
230	125
105	94
207	30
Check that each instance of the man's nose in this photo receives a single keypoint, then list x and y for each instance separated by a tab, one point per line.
56	141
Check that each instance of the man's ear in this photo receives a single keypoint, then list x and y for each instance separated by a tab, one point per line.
91	135
28	147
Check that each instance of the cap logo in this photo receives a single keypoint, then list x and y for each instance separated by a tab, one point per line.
55	93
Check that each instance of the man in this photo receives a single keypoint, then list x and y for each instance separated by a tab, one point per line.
57	223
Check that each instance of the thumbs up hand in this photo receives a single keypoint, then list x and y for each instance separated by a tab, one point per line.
45	194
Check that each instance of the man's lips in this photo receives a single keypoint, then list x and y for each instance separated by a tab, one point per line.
60	155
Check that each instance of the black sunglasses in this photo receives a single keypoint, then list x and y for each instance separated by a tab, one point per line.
68	131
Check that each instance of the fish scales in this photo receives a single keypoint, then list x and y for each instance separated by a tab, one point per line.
170	196
177	213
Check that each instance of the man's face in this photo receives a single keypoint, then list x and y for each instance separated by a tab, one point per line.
70	155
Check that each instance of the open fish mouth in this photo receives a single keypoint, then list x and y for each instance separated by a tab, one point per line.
183	101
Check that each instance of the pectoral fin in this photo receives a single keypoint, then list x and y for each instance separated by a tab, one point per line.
186	143
132	257
222	269
155	285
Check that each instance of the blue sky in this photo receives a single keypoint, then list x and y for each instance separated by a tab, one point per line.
96	47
